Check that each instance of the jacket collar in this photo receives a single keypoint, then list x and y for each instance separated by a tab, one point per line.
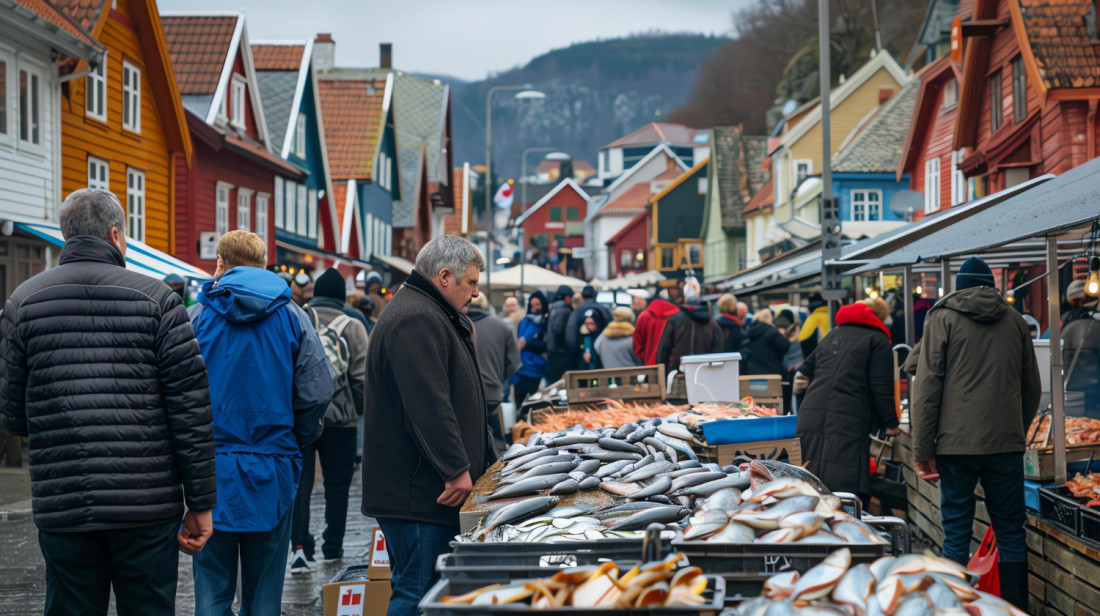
732	318
326	302
860	314
419	283
90	248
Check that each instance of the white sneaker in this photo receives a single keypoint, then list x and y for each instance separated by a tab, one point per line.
299	564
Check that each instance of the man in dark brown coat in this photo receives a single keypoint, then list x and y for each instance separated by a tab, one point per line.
977	391
426	433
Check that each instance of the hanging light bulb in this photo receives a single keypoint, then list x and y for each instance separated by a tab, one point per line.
941	292
919	290
1010	296
1092	287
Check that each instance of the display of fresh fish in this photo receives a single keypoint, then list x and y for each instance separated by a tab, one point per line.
614	444
694	479
649	471
706	489
610	456
768	519
566	486
549	468
514	512
662	515
660	485
784	487
528	486
763	471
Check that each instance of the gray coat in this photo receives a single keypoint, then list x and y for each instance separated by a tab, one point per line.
615	346
354	396
497	353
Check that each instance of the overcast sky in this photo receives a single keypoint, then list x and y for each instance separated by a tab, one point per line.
466	38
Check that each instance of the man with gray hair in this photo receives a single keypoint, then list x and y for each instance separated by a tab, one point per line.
101	371
426	436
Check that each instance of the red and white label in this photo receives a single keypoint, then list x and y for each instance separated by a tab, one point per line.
351	600
379	556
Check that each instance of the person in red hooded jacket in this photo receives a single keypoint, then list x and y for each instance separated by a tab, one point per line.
651	324
851	394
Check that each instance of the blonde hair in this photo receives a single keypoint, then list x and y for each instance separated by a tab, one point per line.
763	316
240	247
727	303
880	307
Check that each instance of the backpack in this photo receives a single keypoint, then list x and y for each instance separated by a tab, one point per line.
339	356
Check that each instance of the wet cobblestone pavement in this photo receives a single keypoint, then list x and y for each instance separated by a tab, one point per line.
23	572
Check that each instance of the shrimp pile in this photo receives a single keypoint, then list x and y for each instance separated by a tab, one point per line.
1086	486
613	413
1079	431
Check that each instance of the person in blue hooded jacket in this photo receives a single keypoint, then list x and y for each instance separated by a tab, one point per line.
270	384
531	336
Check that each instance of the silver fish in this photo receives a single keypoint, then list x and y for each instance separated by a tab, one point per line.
675	430
661	446
677	444
524	509
579	476
588	466
566	486
528	486
641	433
687	471
611	456
518	449
624	430
689	464
711	522
805	522
612	444
570	511
645	461
573	439
784	487
649	471
763	471
768	519
820	580
915	604
610	469
855	588
661	515
725	499
695	479
942	597
779	535
706	489
620	488
734	532
550	468
518	468
660	485
589	483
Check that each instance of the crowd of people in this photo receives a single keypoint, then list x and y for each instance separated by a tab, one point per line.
155	427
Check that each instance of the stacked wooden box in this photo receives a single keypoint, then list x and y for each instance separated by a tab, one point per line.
1063	571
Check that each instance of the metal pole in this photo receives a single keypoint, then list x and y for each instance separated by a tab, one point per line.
874	21
522	265
910	320
489	268
945	276
489	195
1057	386
831	238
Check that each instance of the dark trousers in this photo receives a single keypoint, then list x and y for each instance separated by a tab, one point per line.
525	386
262	557
1002	477
336	448
413	548
140	564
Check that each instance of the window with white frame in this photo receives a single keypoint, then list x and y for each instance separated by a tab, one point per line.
279	222
291	212
802	170
951	93
237	102
7	64
31	111
300	136
221	209
958	179
303	210
311	214
131	97
99	174
262	200
95	92
135	203
244	209
931	185
368	234
866	205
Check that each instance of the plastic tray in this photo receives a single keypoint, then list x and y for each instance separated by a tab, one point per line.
1031	494
628	549
749	430
1057	505
431	606
503	568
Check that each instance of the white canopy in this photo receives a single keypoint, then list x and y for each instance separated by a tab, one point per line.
632	281
534	277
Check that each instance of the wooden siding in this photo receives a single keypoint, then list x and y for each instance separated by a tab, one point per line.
937	142
148	151
539	222
249	115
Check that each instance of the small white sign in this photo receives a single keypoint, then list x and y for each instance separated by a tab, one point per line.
208	245
379	556
351	600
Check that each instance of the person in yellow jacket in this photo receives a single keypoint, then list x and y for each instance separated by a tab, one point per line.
816	325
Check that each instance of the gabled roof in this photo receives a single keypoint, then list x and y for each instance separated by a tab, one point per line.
86	13
200	46
279	56
354	112
40	14
282	88
654	133
404	209
881	60
420	115
680	179
937	21
924	109
1063	54
763	199
627	228
630	202
878	145
738	169
638	166
567	182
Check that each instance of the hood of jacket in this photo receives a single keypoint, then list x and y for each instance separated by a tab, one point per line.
245	294
698	313
476	314
757	330
856	314
662	309
732	318
982	304
542	299
618	329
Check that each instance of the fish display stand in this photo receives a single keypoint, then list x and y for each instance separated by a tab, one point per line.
715	595
1063	571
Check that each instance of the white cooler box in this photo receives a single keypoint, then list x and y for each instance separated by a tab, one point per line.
715	377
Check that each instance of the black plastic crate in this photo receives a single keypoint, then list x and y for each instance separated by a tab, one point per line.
1058	505
504	568
1089	524
770	558
607	549
430	606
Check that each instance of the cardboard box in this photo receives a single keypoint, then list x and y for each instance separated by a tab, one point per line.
378	567
786	450
762	386
356	598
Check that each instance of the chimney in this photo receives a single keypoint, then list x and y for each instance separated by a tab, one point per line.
884	94
324	52
385	55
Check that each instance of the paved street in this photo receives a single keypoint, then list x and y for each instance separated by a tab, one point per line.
23	577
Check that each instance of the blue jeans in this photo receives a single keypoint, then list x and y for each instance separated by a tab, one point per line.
413	548
1002	477
262	557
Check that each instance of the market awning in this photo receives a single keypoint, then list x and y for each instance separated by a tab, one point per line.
396	263
534	277
777	269
319	252
631	281
140	257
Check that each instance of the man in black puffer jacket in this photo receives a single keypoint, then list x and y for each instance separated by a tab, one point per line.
102	372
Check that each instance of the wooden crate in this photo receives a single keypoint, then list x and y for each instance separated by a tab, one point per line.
775	403
787	450
1063	571
636	384
1039	463
761	386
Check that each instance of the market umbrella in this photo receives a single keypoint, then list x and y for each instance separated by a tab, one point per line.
534	277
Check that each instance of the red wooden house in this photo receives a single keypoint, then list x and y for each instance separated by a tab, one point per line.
231	183
629	248
556	222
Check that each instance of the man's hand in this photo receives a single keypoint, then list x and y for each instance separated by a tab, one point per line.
587	357
893	431
927	470
197	528
521	342
456	490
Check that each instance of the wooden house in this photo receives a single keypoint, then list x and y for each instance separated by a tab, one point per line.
555	225
676	222
736	173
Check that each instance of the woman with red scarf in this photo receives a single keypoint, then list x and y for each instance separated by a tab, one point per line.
851	394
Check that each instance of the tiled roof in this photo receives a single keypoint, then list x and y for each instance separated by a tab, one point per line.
404	209
277	97
452	223
64	17
630	202
656	132
277	57
669	174
1063	52
762	200
198	45
352	111
418	112
739	170
83	12
877	148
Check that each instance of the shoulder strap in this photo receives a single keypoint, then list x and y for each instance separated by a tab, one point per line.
313	318
339	323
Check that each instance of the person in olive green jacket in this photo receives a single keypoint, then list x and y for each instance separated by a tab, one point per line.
977	391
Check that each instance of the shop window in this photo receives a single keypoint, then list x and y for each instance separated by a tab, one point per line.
221	209
668	258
